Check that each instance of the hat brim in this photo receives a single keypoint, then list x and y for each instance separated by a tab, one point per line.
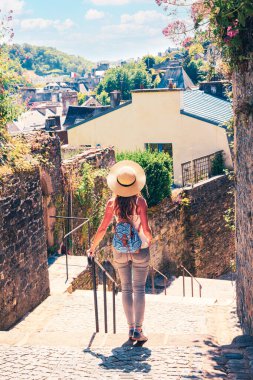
129	191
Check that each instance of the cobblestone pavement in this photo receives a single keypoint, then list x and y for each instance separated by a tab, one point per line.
119	363
54	341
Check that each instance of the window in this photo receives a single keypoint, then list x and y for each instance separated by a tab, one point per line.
163	147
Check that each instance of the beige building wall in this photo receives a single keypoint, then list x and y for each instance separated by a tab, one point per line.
154	117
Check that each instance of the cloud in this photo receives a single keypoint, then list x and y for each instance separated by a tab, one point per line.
94	14
118	2
143	17
129	30
42	23
16	6
110	2
142	24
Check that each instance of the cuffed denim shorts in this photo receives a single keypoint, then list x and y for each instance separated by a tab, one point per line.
140	259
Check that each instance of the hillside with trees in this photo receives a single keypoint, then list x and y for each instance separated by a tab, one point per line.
125	79
46	60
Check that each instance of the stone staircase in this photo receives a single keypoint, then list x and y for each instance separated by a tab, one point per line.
57	340
183	337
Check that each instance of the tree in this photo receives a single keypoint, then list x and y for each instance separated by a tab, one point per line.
196	50
104	98
45	60
125	79
156	81
194	69
10	103
81	98
149	61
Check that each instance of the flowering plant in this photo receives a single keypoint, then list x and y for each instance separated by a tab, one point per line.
226	23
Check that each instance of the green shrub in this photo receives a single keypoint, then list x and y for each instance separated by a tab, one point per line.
218	165
158	168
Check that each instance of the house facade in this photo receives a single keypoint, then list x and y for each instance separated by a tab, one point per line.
187	124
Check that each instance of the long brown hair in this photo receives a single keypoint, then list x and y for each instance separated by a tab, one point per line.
124	207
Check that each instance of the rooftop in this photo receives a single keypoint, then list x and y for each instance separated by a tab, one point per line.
179	77
195	103
206	107
77	114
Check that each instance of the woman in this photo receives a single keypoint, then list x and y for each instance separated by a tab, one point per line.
126	179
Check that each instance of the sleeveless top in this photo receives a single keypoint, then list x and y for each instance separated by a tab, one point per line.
136	222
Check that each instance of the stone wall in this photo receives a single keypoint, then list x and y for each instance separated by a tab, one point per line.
73	167
24	281
211	242
187	229
242	101
97	157
47	150
194	235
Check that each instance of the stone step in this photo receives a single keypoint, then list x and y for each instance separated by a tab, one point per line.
152	298
223	290
85	340
57	271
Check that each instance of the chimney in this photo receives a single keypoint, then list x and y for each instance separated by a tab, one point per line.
69	98
53	123
115	97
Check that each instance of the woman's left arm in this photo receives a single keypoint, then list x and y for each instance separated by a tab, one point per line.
102	228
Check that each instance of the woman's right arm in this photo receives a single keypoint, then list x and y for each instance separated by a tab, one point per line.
142	211
108	215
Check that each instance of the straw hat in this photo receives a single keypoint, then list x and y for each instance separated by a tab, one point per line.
126	178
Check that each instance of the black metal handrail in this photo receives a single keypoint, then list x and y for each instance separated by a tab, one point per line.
86	220
165	280
192	278
93	262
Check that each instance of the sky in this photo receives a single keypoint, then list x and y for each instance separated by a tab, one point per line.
95	29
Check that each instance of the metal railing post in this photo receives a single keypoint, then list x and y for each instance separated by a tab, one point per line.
89	239
153	280
95	293
68	224
67	265
183	283
192	278
92	262
114	307
105	302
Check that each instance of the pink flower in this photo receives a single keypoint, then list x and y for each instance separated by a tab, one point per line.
231	32
175	28
199	11
187	42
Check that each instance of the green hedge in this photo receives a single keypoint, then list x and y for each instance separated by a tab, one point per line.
218	164
158	168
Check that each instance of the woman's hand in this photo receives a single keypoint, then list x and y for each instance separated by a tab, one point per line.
90	252
150	240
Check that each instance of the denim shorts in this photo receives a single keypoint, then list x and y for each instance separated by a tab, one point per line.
140	259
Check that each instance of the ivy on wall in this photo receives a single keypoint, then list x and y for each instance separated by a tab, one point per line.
90	194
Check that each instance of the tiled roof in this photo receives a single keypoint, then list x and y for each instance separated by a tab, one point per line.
179	76
206	107
80	114
92	102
